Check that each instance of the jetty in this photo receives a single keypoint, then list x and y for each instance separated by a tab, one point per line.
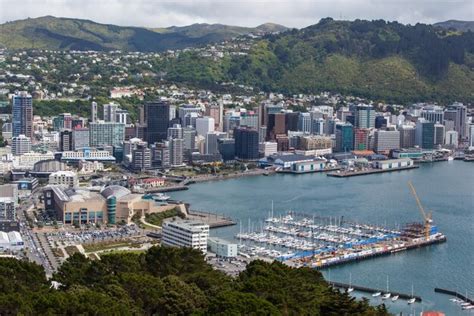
214	220
455	294
346	174
372	290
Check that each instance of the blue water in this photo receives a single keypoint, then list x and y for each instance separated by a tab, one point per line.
445	188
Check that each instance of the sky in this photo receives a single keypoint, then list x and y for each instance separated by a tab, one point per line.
291	13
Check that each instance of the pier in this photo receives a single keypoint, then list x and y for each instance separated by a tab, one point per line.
214	220
372	290
455	294
346	174
308	171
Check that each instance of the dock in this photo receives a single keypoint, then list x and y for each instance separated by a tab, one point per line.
168	189
372	290
214	220
455	294
346	174
308	171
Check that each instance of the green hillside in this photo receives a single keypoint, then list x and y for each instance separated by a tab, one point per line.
375	59
63	33
462	26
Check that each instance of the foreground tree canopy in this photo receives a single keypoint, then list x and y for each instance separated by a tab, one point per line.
169	281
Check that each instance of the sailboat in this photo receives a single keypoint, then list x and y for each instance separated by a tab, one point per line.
350	289
386	295
412	299
376	294
395	297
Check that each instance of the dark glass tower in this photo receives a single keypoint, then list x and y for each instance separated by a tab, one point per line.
157	116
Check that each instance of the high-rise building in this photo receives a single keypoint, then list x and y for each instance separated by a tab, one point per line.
121	116
276	125
186	109
304	123
189	142
212	142
185	233
268	148
7	209
457	113
361	138
110	112
439	133
94	110
344	137
80	138
21	145
318	126
226	147
22	114
291	121
364	116
384	141
433	113
106	134
471	135
176	131
161	155
176	151
451	139
407	136
66	140
141	157
204	125
216	111
246	143
249	120
157	118
424	134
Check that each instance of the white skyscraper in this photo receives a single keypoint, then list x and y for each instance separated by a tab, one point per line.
94	112
204	125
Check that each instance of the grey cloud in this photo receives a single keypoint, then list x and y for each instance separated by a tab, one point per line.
296	13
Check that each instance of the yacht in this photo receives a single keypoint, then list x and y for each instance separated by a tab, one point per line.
350	289
411	300
387	294
376	294
394	298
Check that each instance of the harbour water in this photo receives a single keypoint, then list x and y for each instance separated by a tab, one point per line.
445	188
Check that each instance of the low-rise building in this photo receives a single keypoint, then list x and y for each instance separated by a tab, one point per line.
185	233
393	163
7	209
66	178
222	248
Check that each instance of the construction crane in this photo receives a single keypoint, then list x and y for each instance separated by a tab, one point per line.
426	216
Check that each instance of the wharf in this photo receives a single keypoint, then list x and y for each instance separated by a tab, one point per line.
168	189
346	174
309	171
212	219
409	246
372	290
455	294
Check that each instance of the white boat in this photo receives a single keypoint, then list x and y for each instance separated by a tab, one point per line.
411	300
350	289
386	296
465	304
395	298
468	307
376	294
450	158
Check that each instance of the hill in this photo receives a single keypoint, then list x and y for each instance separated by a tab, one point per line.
462	26
64	33
375	59
170	281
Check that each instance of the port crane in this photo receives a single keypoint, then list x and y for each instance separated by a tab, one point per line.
426	216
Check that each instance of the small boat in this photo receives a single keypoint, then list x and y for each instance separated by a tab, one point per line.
350	289
450	158
394	298
386	296
411	300
376	294
468	307
465	304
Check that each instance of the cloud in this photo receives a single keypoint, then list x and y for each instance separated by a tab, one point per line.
293	13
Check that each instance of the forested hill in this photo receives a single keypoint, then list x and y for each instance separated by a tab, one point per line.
54	33
376	59
170	281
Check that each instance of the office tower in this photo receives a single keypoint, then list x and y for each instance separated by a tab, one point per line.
249	120
433	113
457	113
141	115
204	125
20	145
189	141
364	116
424	134
211	142
283	142
318	126
380	121
361	138
110	112
270	109
157	118
186	109
276	125
106	133
173	114
226	147
451	139
141	157
439	133
246	143
176	131
176	151
344	137
7	209
216	111
384	141
161	155
342	114
471	135
80	138
121	116
94	110
304	123
291	121
407	136
7	131
267	148
22	115
65	140
231	121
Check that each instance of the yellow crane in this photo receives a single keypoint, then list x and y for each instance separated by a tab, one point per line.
426	216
